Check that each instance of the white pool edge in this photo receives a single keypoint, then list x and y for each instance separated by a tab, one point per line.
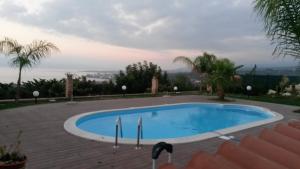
70	126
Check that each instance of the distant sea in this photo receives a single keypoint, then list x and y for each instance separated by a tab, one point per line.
8	74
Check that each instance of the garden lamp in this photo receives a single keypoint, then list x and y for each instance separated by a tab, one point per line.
35	95
175	89
124	88
249	89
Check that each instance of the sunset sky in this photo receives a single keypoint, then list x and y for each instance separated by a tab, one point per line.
110	34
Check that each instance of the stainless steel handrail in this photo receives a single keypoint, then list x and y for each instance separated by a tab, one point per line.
139	133
157	149
118	128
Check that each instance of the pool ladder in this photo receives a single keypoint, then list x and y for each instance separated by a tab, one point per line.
139	133
119	129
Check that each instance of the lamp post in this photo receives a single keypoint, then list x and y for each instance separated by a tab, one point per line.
249	89
175	89
35	95
124	88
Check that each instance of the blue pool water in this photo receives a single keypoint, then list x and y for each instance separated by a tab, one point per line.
172	121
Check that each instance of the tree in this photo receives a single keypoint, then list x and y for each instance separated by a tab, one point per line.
183	82
25	56
282	24
138	77
46	88
164	82
222	75
202	65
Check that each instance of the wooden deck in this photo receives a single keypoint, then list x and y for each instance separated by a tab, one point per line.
49	146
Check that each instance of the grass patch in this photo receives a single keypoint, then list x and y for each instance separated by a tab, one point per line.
292	100
11	105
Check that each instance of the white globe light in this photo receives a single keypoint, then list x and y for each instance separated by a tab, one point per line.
124	87
175	88
36	93
249	88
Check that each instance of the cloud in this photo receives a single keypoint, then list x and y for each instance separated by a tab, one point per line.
228	28
168	24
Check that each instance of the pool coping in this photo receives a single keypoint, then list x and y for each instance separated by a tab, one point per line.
70	126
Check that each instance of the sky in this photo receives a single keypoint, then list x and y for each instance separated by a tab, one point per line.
110	34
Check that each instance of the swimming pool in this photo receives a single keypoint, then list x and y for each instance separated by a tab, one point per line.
174	123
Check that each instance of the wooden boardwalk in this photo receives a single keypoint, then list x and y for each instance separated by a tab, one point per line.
49	146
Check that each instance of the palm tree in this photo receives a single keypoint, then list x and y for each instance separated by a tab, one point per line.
201	64
282	24
223	75
25	56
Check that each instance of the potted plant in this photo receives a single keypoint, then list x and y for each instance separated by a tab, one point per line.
11	156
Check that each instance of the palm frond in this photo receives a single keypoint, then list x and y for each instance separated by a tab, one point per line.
205	62
39	49
20	62
10	46
238	67
253	70
187	61
281	22
14	62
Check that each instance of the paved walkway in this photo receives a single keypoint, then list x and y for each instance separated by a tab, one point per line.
49	146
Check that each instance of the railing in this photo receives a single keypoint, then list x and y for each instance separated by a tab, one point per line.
157	149
118	128
139	133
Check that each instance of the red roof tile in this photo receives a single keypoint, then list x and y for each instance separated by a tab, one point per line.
277	148
271	152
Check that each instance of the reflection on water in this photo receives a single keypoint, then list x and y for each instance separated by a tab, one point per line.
154	114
